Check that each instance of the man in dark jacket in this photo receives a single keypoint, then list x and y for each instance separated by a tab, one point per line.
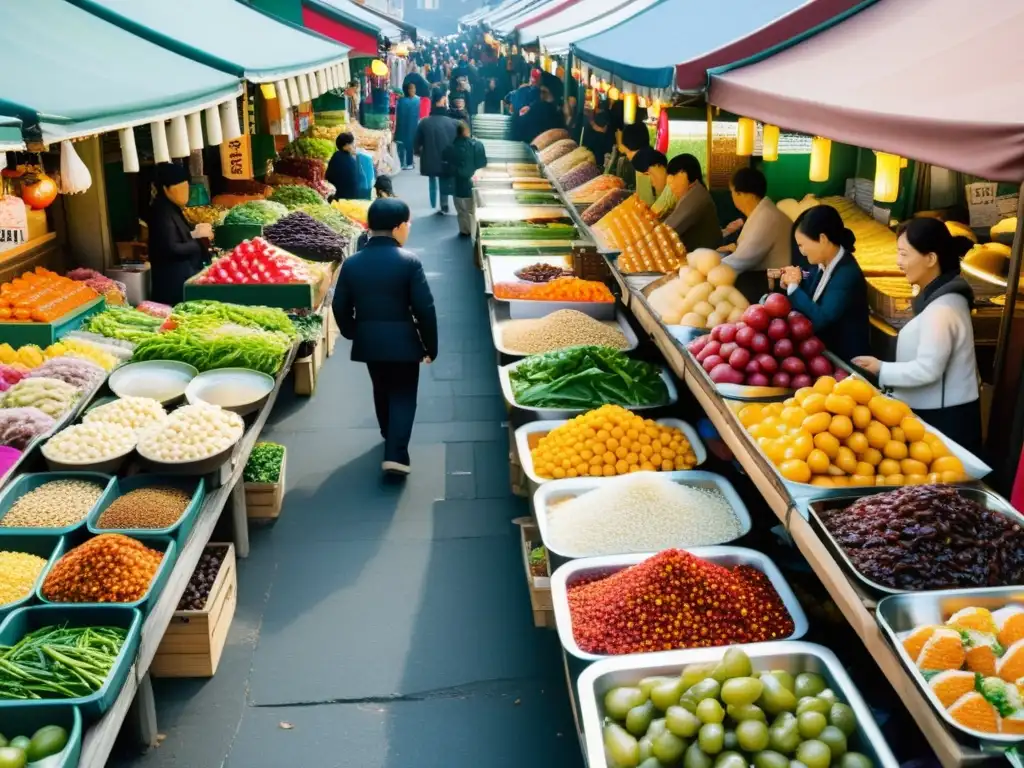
343	170
384	305
434	134
462	159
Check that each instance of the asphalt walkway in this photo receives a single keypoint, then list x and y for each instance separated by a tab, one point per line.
386	626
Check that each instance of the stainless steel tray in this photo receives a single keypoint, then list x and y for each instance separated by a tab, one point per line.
515	211
729	557
504	378
499	315
597	679
900	613
577	486
531	308
502	268
976	493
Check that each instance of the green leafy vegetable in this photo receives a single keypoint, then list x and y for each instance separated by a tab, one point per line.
264	465
309	327
208	343
293	195
584	378
258	212
322	149
1000	694
267	318
123	323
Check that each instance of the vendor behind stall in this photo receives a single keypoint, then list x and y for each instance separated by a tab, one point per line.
935	372
630	139
834	295
175	253
764	241
654	165
694	218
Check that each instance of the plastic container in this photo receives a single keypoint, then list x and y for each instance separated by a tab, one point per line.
156	586
25	722
44	334
179	532
41	545
526	459
29	482
25	620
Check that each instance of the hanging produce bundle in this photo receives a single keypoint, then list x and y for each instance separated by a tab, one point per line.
292	196
256	212
74	174
42	296
254	261
301	234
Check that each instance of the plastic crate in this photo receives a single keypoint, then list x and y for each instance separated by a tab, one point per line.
25	620
44	334
29	482
40	545
287	296
25	722
179	532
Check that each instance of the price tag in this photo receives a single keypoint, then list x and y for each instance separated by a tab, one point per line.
981	204
236	158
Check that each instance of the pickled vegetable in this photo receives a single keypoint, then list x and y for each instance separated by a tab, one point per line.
808	684
695	758
682	722
668	748
814	754
835	740
711	738
710	711
730	760
752	735
741	690
618	701
842	717
811	724
638	719
621	748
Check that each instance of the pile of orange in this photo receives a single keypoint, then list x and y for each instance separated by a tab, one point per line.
42	296
559	289
837	434
660	251
610	441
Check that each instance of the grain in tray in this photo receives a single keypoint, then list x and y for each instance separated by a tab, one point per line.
153	508
559	330
55	504
18	574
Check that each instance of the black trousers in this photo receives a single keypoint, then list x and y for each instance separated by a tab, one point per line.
394	399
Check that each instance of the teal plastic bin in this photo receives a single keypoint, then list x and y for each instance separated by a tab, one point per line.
179	532
158	543
29	482
25	722
18	334
41	545
25	620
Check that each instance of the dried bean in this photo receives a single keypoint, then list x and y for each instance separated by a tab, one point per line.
155	507
55	504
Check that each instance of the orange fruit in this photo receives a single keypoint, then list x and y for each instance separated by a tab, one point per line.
880	480
981	659
846	461
877	434
865	469
841	426
950	685
888	467
823	481
916	479
972	711
953	477
750	415
1011	665
920	451
793	416
943	650
857	442
818	461
912	428
872	456
947	464
795	471
861	416
840	481
859	390
862	480
790	402
914	640
813	403
840	404
828	443
802	394
1014	724
818	422
897	434
835	471
894	450
896	479
938	447
824	385
1009	622
887	410
972	617
912	467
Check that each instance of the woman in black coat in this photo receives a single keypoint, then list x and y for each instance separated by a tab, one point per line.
175	253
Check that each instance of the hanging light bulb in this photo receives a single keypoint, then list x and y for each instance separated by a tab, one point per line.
129	154
177	139
195	131
746	130
158	133
229	120
629	108
214	134
379	68
770	143
887	177
821	153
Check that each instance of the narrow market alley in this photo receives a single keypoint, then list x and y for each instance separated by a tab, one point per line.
386	626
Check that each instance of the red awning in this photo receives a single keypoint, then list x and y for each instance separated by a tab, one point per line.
550	10
361	43
931	80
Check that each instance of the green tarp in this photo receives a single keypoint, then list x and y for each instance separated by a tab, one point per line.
72	74
224	34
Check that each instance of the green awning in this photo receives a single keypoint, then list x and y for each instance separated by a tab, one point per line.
81	75
224	34
10	134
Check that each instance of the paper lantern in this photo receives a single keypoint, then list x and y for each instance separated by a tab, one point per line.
177	139
821	153
661	137
887	177
629	108
129	154
213	132
195	131
161	154
229	120
770	143
281	89
746	130
379	68
654	108
613	94
594	82
642	102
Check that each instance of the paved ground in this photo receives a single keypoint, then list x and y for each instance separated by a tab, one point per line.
382	626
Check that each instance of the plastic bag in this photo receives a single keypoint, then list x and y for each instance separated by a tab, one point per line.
74	175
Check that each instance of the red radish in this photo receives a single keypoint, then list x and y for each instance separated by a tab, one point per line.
711	361
777	329
768	363
793	366
745	336
812	347
783	348
697	344
801	380
752	367
756	317
800	327
757	380
760	343
711	348
727	332
727	349
739	358
726	374
716	333
781	379
841	373
777	305
819	366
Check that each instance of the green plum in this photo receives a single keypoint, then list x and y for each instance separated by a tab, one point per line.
618	701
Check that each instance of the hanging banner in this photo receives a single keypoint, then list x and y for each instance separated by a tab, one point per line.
236	158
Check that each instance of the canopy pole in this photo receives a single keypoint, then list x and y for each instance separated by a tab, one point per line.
710	141
1012	280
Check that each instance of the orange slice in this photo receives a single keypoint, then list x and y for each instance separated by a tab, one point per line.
1009	622
950	685
1014	724
978	619
914	640
982	659
943	650
1011	666
972	711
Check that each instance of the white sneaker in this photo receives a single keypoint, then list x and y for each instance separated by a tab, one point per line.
394	468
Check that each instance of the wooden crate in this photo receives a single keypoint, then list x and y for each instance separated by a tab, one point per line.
263	500
539	586
194	640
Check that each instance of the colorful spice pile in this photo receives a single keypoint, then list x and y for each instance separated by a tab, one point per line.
18	574
559	289
675	600
56	504
155	507
110	568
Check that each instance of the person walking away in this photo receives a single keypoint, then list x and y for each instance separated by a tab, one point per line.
434	134
420	85
464	158
407	117
492	98
936	372
384	306
834	295
175	250
694	218
343	169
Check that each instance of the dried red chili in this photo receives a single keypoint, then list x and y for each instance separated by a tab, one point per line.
676	600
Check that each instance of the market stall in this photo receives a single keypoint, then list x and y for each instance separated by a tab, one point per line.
578	21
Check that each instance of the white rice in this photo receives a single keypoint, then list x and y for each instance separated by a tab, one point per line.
640	512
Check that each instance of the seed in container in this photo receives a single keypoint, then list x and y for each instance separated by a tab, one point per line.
192	433
154	507
18	574
133	412
54	504
87	443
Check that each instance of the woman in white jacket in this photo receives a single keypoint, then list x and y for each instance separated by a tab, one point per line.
935	372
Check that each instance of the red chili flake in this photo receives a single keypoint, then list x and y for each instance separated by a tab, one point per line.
675	600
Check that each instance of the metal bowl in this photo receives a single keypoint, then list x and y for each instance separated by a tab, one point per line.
194	467
110	466
253	387
161	380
